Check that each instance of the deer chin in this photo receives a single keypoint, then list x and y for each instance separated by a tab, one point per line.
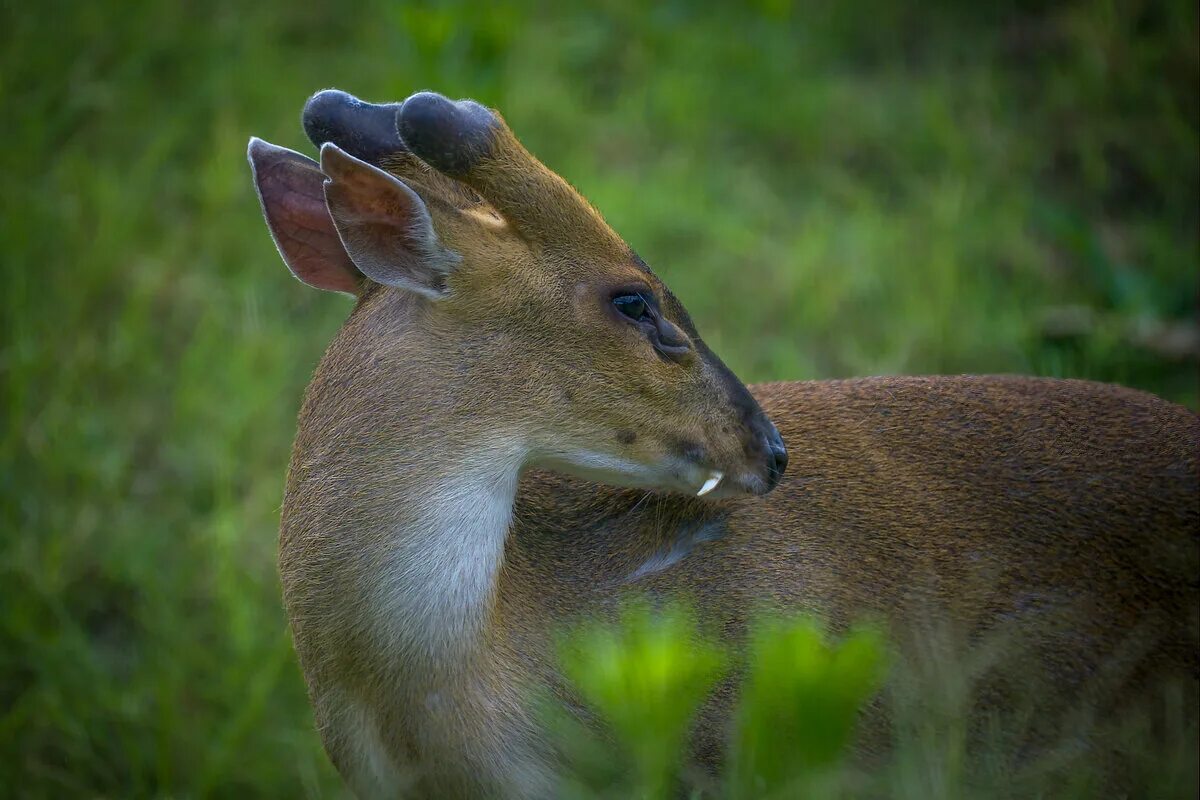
668	474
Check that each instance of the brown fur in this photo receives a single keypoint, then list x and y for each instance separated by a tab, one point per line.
1064	510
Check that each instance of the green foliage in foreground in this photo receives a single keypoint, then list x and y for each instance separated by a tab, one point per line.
833	189
799	704
799	697
647	675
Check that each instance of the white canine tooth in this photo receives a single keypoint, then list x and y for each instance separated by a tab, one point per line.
711	483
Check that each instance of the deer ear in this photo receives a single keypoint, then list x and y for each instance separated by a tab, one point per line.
384	225
290	189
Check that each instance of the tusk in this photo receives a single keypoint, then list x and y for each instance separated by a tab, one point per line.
711	483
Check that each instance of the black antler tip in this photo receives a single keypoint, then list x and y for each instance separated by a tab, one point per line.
365	130
449	136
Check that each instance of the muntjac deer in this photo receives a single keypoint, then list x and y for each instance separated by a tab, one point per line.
519	423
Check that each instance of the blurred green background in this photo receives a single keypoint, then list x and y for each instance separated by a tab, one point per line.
833	189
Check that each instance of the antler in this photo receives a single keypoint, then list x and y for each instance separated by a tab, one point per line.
471	143
367	131
364	130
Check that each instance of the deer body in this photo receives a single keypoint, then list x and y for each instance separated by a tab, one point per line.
450	502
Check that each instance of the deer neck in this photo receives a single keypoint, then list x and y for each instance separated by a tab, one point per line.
440	558
407	486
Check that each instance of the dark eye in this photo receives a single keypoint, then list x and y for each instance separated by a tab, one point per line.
631	305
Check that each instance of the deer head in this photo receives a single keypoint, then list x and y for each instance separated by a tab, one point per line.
510	294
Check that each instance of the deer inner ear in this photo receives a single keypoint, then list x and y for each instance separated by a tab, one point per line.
384	225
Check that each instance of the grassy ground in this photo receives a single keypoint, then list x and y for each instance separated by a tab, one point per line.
834	190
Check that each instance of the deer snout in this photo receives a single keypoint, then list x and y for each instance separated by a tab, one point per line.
763	460
767	455
763	456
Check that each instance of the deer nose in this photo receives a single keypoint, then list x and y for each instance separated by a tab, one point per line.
777	457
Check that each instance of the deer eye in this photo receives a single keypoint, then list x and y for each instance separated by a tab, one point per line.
632	306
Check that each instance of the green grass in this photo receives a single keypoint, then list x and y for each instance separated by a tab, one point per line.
833	190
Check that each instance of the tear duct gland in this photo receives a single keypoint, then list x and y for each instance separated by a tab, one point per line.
455	492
